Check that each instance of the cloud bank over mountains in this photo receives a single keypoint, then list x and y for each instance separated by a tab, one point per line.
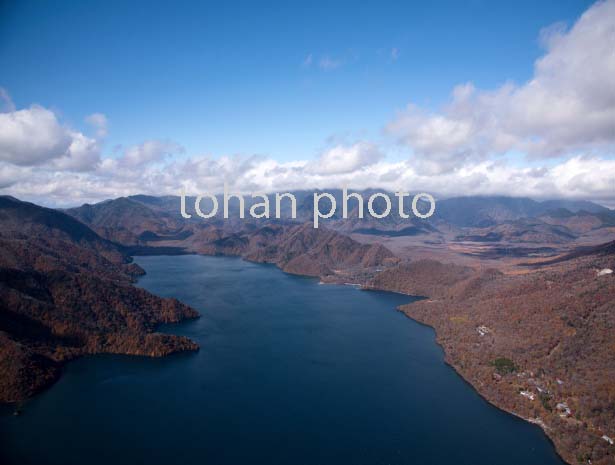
553	136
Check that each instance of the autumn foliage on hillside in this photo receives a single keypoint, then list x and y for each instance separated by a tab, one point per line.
540	344
66	292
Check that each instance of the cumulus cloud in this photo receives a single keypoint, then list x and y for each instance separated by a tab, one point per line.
567	107
34	136
345	159
83	154
11	175
149	152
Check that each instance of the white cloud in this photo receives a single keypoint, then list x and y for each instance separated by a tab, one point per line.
83	154
99	122
307	61
327	63
345	159
6	104
567	107
151	151
34	136
11	175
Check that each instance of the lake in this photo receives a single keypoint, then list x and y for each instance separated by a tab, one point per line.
289	372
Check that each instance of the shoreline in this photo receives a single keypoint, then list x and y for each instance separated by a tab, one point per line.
540	424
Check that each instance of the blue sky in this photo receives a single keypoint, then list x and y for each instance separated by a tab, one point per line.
224	78
106	99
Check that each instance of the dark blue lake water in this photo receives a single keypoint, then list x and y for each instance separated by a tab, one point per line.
289	372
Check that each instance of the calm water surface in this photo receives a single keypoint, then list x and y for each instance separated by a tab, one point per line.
289	372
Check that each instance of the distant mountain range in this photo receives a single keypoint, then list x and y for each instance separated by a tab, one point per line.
477	211
153	221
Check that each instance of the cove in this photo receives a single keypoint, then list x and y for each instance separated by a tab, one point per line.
289	372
